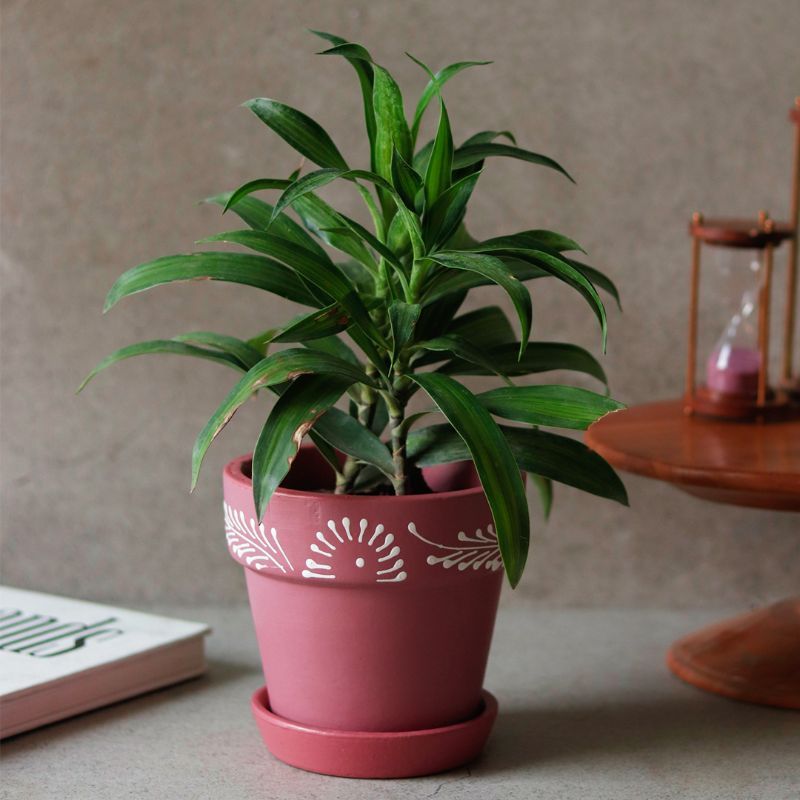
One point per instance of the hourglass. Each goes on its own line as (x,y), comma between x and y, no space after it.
(735,372)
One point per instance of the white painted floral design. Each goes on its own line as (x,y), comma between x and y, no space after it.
(252,543)
(479,550)
(373,551)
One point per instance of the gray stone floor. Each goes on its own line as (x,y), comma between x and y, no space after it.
(587,710)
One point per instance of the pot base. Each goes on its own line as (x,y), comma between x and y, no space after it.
(372,754)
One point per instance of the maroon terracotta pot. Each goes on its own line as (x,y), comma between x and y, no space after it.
(371,613)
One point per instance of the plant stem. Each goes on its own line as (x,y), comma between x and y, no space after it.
(398,451)
(396,402)
(343,479)
(366,412)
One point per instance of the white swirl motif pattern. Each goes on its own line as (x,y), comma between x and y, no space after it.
(479,550)
(252,543)
(375,552)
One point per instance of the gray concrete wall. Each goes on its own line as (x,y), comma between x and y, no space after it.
(117,117)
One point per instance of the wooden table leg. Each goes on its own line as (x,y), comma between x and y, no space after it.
(754,657)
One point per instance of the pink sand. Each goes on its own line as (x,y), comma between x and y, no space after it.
(733,370)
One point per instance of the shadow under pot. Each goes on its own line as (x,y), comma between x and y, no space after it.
(374,618)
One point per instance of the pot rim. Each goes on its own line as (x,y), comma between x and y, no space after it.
(233,471)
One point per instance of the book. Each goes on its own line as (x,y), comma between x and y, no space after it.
(60,657)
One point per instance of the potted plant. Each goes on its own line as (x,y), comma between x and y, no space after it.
(374,553)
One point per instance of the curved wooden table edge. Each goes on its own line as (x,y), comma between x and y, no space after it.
(735,486)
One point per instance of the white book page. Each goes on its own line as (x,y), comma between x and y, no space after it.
(45,638)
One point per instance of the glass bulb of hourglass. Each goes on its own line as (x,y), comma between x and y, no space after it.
(735,361)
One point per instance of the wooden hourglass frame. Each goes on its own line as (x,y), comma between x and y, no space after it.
(762,237)
(789,380)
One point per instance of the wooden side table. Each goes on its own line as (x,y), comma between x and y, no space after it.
(754,657)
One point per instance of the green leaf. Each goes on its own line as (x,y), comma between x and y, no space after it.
(322,177)
(485,137)
(351,438)
(496,271)
(428,71)
(442,220)
(243,352)
(437,316)
(523,246)
(162,346)
(462,239)
(494,462)
(411,222)
(567,461)
(405,179)
(357,230)
(434,87)
(524,270)
(436,444)
(487,326)
(391,127)
(539,357)
(273,370)
(321,272)
(411,419)
(361,64)
(298,130)
(562,269)
(422,156)
(466,155)
(361,277)
(370,481)
(448,282)
(378,246)
(397,238)
(258,185)
(349,50)
(258,215)
(547,454)
(380,419)
(460,348)
(242,268)
(325,450)
(326,321)
(544,487)
(333,346)
(324,221)
(445,283)
(261,341)
(402,319)
(551,405)
(409,218)
(250,210)
(305,185)
(598,279)
(529,240)
(440,164)
(295,413)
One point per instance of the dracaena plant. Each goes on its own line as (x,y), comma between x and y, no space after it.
(384,319)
